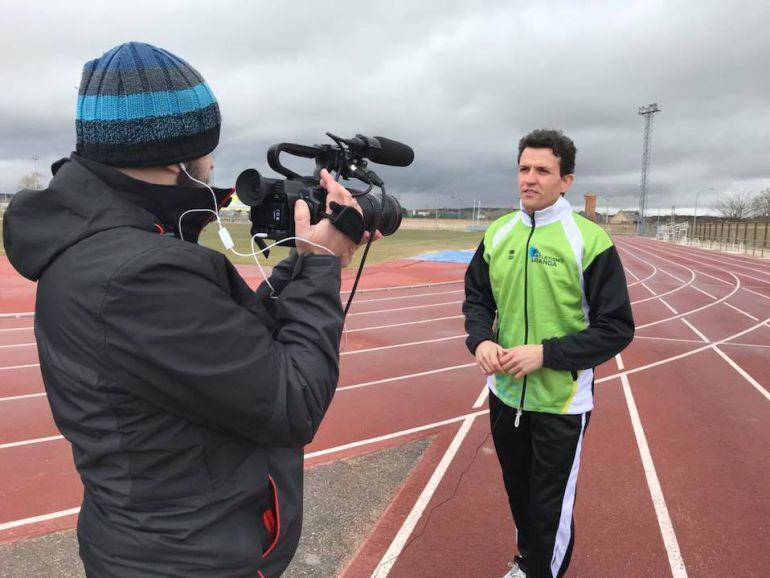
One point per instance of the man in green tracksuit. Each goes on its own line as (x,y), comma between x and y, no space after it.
(545,302)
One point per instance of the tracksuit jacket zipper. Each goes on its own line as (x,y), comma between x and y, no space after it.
(526,321)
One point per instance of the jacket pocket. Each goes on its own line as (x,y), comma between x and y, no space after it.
(271,518)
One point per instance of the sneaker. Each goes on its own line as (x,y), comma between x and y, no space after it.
(515,571)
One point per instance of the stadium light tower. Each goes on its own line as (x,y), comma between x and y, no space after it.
(648,112)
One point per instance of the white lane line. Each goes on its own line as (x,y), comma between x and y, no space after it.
(743,373)
(672,276)
(344,388)
(683,355)
(415,296)
(16,329)
(631,273)
(384,347)
(53,515)
(756,293)
(720,300)
(696,332)
(690,312)
(760,345)
(346,331)
(17,315)
(9,367)
(702,291)
(17,397)
(399,287)
(674,311)
(404,308)
(654,338)
(17,345)
(713,345)
(406,323)
(638,280)
(393,435)
(675,560)
(349,314)
(655,295)
(482,397)
(30,442)
(701,257)
(38,519)
(749,315)
(706,293)
(386,437)
(732,363)
(686,259)
(705,256)
(398,543)
(409,376)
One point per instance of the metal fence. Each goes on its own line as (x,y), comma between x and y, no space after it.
(750,237)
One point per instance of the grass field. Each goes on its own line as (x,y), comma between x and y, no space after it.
(404,243)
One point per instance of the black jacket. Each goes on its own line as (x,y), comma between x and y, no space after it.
(186,396)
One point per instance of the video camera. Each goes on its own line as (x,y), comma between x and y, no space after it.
(272,200)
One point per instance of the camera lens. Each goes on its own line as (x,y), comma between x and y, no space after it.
(385,208)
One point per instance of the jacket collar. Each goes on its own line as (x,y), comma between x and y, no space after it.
(167,203)
(556,212)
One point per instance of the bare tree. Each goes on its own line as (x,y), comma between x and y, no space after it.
(760,205)
(735,205)
(31,181)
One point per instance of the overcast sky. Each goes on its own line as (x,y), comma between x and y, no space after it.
(460,82)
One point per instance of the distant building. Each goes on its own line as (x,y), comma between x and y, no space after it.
(5,198)
(590,206)
(625,217)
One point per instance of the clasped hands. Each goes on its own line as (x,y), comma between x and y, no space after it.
(517,361)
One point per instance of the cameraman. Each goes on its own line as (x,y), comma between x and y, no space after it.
(187,397)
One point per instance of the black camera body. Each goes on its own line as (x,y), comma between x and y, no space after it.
(272,200)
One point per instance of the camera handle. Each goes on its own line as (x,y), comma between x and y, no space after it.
(274,152)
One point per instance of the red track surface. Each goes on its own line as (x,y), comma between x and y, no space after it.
(696,504)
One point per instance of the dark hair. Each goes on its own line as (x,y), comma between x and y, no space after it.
(561,146)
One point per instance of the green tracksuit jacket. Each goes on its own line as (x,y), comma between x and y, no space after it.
(554,278)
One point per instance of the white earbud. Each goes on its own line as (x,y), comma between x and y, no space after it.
(227,240)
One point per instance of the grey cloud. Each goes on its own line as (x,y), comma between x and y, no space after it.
(461,82)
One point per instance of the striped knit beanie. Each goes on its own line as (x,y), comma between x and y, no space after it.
(139,105)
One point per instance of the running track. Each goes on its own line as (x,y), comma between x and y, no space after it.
(674,476)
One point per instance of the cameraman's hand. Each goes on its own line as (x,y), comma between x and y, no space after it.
(324,233)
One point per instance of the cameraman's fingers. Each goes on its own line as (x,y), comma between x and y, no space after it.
(301,219)
(336,192)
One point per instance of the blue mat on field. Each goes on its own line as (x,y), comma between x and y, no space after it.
(446,256)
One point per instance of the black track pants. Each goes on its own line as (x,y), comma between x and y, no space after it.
(540,461)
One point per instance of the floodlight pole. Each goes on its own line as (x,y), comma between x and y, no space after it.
(648,112)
